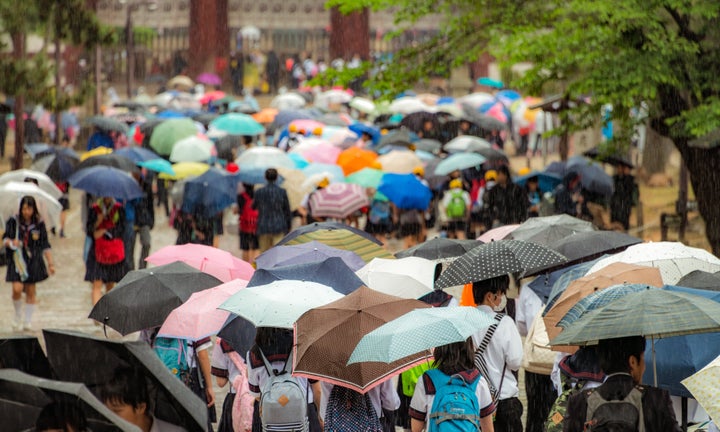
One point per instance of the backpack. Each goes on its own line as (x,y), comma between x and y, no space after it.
(556,416)
(350,411)
(379,211)
(243,404)
(456,208)
(172,353)
(624,415)
(456,407)
(248,216)
(283,404)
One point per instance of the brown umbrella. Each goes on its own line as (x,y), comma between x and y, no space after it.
(326,336)
(614,274)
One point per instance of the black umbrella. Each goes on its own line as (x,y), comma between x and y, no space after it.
(498,258)
(225,146)
(546,230)
(486,122)
(317,226)
(108,124)
(23,396)
(57,166)
(612,158)
(86,359)
(416,121)
(205,118)
(701,280)
(147,129)
(112,160)
(25,354)
(591,244)
(439,249)
(144,298)
(239,333)
(332,272)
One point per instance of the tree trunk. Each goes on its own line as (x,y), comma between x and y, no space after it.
(18,40)
(58,91)
(656,152)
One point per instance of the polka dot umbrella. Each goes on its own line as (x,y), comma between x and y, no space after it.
(496,259)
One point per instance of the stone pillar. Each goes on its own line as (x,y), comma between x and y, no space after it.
(349,34)
(209,35)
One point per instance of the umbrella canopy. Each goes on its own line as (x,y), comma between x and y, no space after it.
(209,79)
(180,82)
(286,115)
(408,105)
(543,284)
(366,177)
(318,171)
(44,182)
(702,280)
(12,192)
(57,166)
(705,388)
(317,150)
(171,400)
(184,170)
(592,176)
(363,105)
(24,353)
(23,396)
(496,259)
(144,298)
(136,154)
(459,161)
(105,181)
(418,331)
(288,101)
(410,277)
(159,166)
(498,233)
(239,333)
(166,134)
(305,253)
(399,162)
(338,200)
(546,230)
(428,145)
(293,181)
(339,236)
(210,193)
(264,158)
(591,244)
(109,160)
(280,303)
(39,150)
(326,336)
(193,149)
(466,144)
(405,191)
(327,98)
(199,316)
(108,124)
(332,272)
(546,181)
(265,116)
(597,300)
(237,124)
(674,259)
(213,261)
(439,248)
(355,159)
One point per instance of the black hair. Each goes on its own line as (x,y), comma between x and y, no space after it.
(66,416)
(272,341)
(455,357)
(249,189)
(505,170)
(613,354)
(29,201)
(271,175)
(127,386)
(496,285)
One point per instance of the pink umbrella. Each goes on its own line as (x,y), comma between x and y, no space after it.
(498,233)
(306,126)
(317,150)
(208,78)
(200,317)
(216,262)
(212,96)
(338,200)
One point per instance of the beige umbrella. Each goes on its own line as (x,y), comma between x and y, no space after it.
(399,161)
(294,183)
(180,82)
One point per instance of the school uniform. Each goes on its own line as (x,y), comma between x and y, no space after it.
(34,240)
(382,397)
(222,366)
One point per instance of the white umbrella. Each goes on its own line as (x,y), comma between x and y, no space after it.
(288,101)
(408,105)
(264,158)
(12,192)
(192,149)
(250,32)
(280,303)
(466,143)
(673,259)
(705,386)
(43,180)
(476,100)
(410,277)
(363,105)
(327,98)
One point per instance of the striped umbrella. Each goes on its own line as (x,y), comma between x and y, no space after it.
(343,239)
(338,200)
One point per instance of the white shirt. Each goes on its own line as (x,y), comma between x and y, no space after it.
(449,196)
(163,426)
(221,361)
(381,396)
(527,306)
(505,348)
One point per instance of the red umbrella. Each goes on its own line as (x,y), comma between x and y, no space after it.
(338,200)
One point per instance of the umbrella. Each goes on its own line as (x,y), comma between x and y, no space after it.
(209,79)
(136,154)
(674,259)
(193,149)
(363,105)
(338,200)
(166,134)
(44,182)
(264,158)
(592,175)
(410,277)
(327,226)
(340,236)
(306,126)
(562,278)
(546,181)
(610,157)
(466,144)
(213,261)
(439,249)
(366,177)
(293,181)
(377,139)
(68,353)
(419,331)
(319,171)
(265,116)
(702,280)
(144,298)
(543,284)
(108,124)
(498,233)
(317,150)
(300,161)
(490,82)
(591,244)
(215,97)
(304,253)
(288,101)
(459,161)
(199,316)
(210,193)
(23,396)
(332,272)
(597,300)
(546,230)
(428,145)
(355,159)
(108,160)
(237,124)
(58,166)
(483,121)
(239,333)
(399,162)
(326,336)
(327,98)
(180,82)
(227,146)
(287,115)
(183,170)
(705,387)
(39,150)
(158,165)
(98,151)
(25,354)
(106,181)
(280,303)
(12,192)
(496,259)
(408,105)
(405,191)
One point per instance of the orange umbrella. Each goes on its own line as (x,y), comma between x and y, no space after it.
(265,116)
(354,159)
(614,274)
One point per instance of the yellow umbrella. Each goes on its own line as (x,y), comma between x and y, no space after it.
(98,151)
(705,386)
(185,169)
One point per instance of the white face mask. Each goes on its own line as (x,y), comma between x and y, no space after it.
(501,306)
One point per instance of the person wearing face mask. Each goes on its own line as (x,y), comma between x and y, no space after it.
(499,353)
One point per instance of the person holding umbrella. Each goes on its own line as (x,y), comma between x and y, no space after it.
(26,243)
(274,215)
(506,201)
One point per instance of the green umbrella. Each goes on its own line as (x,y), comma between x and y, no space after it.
(366,177)
(419,330)
(158,165)
(167,133)
(237,124)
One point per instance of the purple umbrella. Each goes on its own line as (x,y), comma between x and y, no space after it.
(208,78)
(306,253)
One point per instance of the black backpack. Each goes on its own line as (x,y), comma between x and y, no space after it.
(624,415)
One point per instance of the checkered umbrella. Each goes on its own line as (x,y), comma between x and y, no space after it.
(338,200)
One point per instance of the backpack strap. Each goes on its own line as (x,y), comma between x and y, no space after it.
(269,368)
(480,362)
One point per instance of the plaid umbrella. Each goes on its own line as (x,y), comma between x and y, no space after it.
(496,259)
(597,300)
(338,200)
(326,336)
(549,229)
(341,239)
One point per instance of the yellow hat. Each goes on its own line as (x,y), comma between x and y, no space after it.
(490,175)
(523,171)
(418,170)
(455,183)
(317,131)
(323,183)
(292,128)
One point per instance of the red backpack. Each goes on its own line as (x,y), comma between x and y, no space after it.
(248,215)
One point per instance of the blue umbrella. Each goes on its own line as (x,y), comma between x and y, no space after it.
(303,253)
(137,154)
(459,161)
(570,274)
(170,114)
(252,176)
(490,82)
(360,128)
(405,191)
(592,175)
(106,181)
(210,193)
(332,272)
(598,300)
(299,160)
(546,181)
(158,165)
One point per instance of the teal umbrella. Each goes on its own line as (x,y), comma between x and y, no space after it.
(366,177)
(237,124)
(459,161)
(418,331)
(158,165)
(167,133)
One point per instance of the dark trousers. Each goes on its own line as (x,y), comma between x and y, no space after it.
(197,386)
(540,396)
(508,417)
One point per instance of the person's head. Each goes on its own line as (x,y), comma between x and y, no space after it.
(503,175)
(456,184)
(28,209)
(455,357)
(61,417)
(490,175)
(491,292)
(571,180)
(323,183)
(274,340)
(126,395)
(419,171)
(623,355)
(65,141)
(533,183)
(271,175)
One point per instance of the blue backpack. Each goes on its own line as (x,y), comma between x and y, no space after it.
(171,352)
(456,407)
(379,211)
